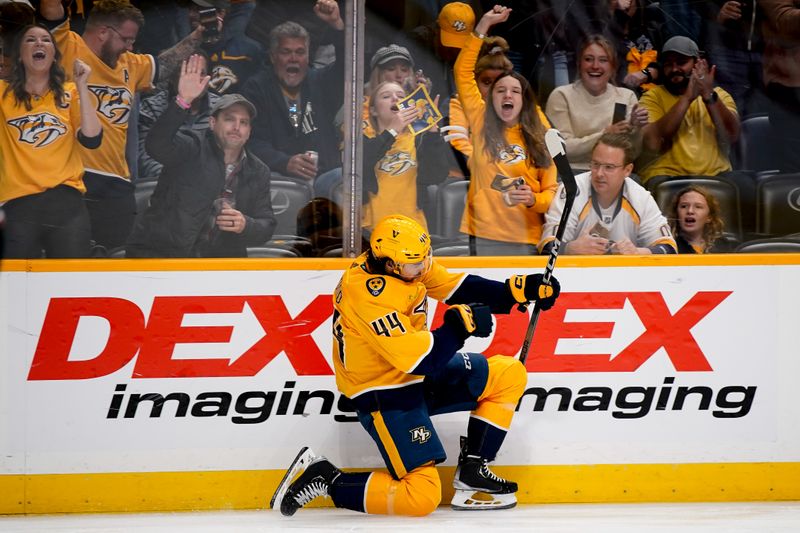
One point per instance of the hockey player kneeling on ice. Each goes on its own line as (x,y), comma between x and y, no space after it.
(398,374)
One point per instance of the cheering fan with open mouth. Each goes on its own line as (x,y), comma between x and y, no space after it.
(41,173)
(508,135)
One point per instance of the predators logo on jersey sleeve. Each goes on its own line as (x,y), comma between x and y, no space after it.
(114,103)
(40,129)
(376,286)
(384,298)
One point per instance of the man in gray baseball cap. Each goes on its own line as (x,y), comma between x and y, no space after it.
(213,196)
(229,100)
(692,122)
(681,45)
(390,53)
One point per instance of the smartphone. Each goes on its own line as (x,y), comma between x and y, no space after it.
(208,19)
(620,110)
(504,183)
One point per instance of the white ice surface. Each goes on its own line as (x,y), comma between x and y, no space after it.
(593,518)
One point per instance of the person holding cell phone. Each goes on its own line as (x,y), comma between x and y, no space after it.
(233,56)
(508,140)
(592,105)
(397,165)
(213,195)
(297,102)
(612,214)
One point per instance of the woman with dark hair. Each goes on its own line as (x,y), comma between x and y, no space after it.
(696,222)
(492,62)
(587,108)
(41,170)
(513,177)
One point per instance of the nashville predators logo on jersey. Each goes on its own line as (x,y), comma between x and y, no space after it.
(420,434)
(222,78)
(114,103)
(397,163)
(375,286)
(512,154)
(40,129)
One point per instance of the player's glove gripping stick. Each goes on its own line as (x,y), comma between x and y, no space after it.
(525,289)
(475,319)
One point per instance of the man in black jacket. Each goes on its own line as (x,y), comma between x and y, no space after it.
(298,103)
(213,195)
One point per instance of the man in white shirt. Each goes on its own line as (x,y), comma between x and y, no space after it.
(612,213)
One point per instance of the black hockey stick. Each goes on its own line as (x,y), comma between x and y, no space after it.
(556,146)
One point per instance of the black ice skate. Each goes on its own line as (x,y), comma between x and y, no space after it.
(477,487)
(316,476)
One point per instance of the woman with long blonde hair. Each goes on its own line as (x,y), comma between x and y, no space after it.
(397,165)
(587,108)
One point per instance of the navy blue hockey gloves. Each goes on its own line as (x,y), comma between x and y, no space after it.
(475,319)
(530,288)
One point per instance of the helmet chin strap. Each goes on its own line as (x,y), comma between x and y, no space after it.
(394,268)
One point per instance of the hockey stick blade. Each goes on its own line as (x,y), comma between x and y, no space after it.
(557,148)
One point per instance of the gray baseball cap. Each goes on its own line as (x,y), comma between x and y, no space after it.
(230,99)
(390,53)
(681,45)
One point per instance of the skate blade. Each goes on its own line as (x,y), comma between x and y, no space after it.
(472,500)
(300,463)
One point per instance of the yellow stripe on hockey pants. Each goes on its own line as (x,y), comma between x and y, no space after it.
(504,387)
(418,493)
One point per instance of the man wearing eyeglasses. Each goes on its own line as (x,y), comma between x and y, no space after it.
(106,45)
(612,213)
(117,74)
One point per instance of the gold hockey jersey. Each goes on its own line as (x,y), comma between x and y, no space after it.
(38,148)
(113,91)
(380,326)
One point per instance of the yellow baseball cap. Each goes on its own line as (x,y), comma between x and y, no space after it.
(456,20)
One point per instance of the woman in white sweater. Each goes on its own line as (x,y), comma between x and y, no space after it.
(584,110)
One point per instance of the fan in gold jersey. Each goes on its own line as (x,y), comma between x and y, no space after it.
(41,169)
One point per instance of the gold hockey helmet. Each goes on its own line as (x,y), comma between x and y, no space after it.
(405,242)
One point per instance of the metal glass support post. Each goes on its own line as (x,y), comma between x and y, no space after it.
(353,98)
